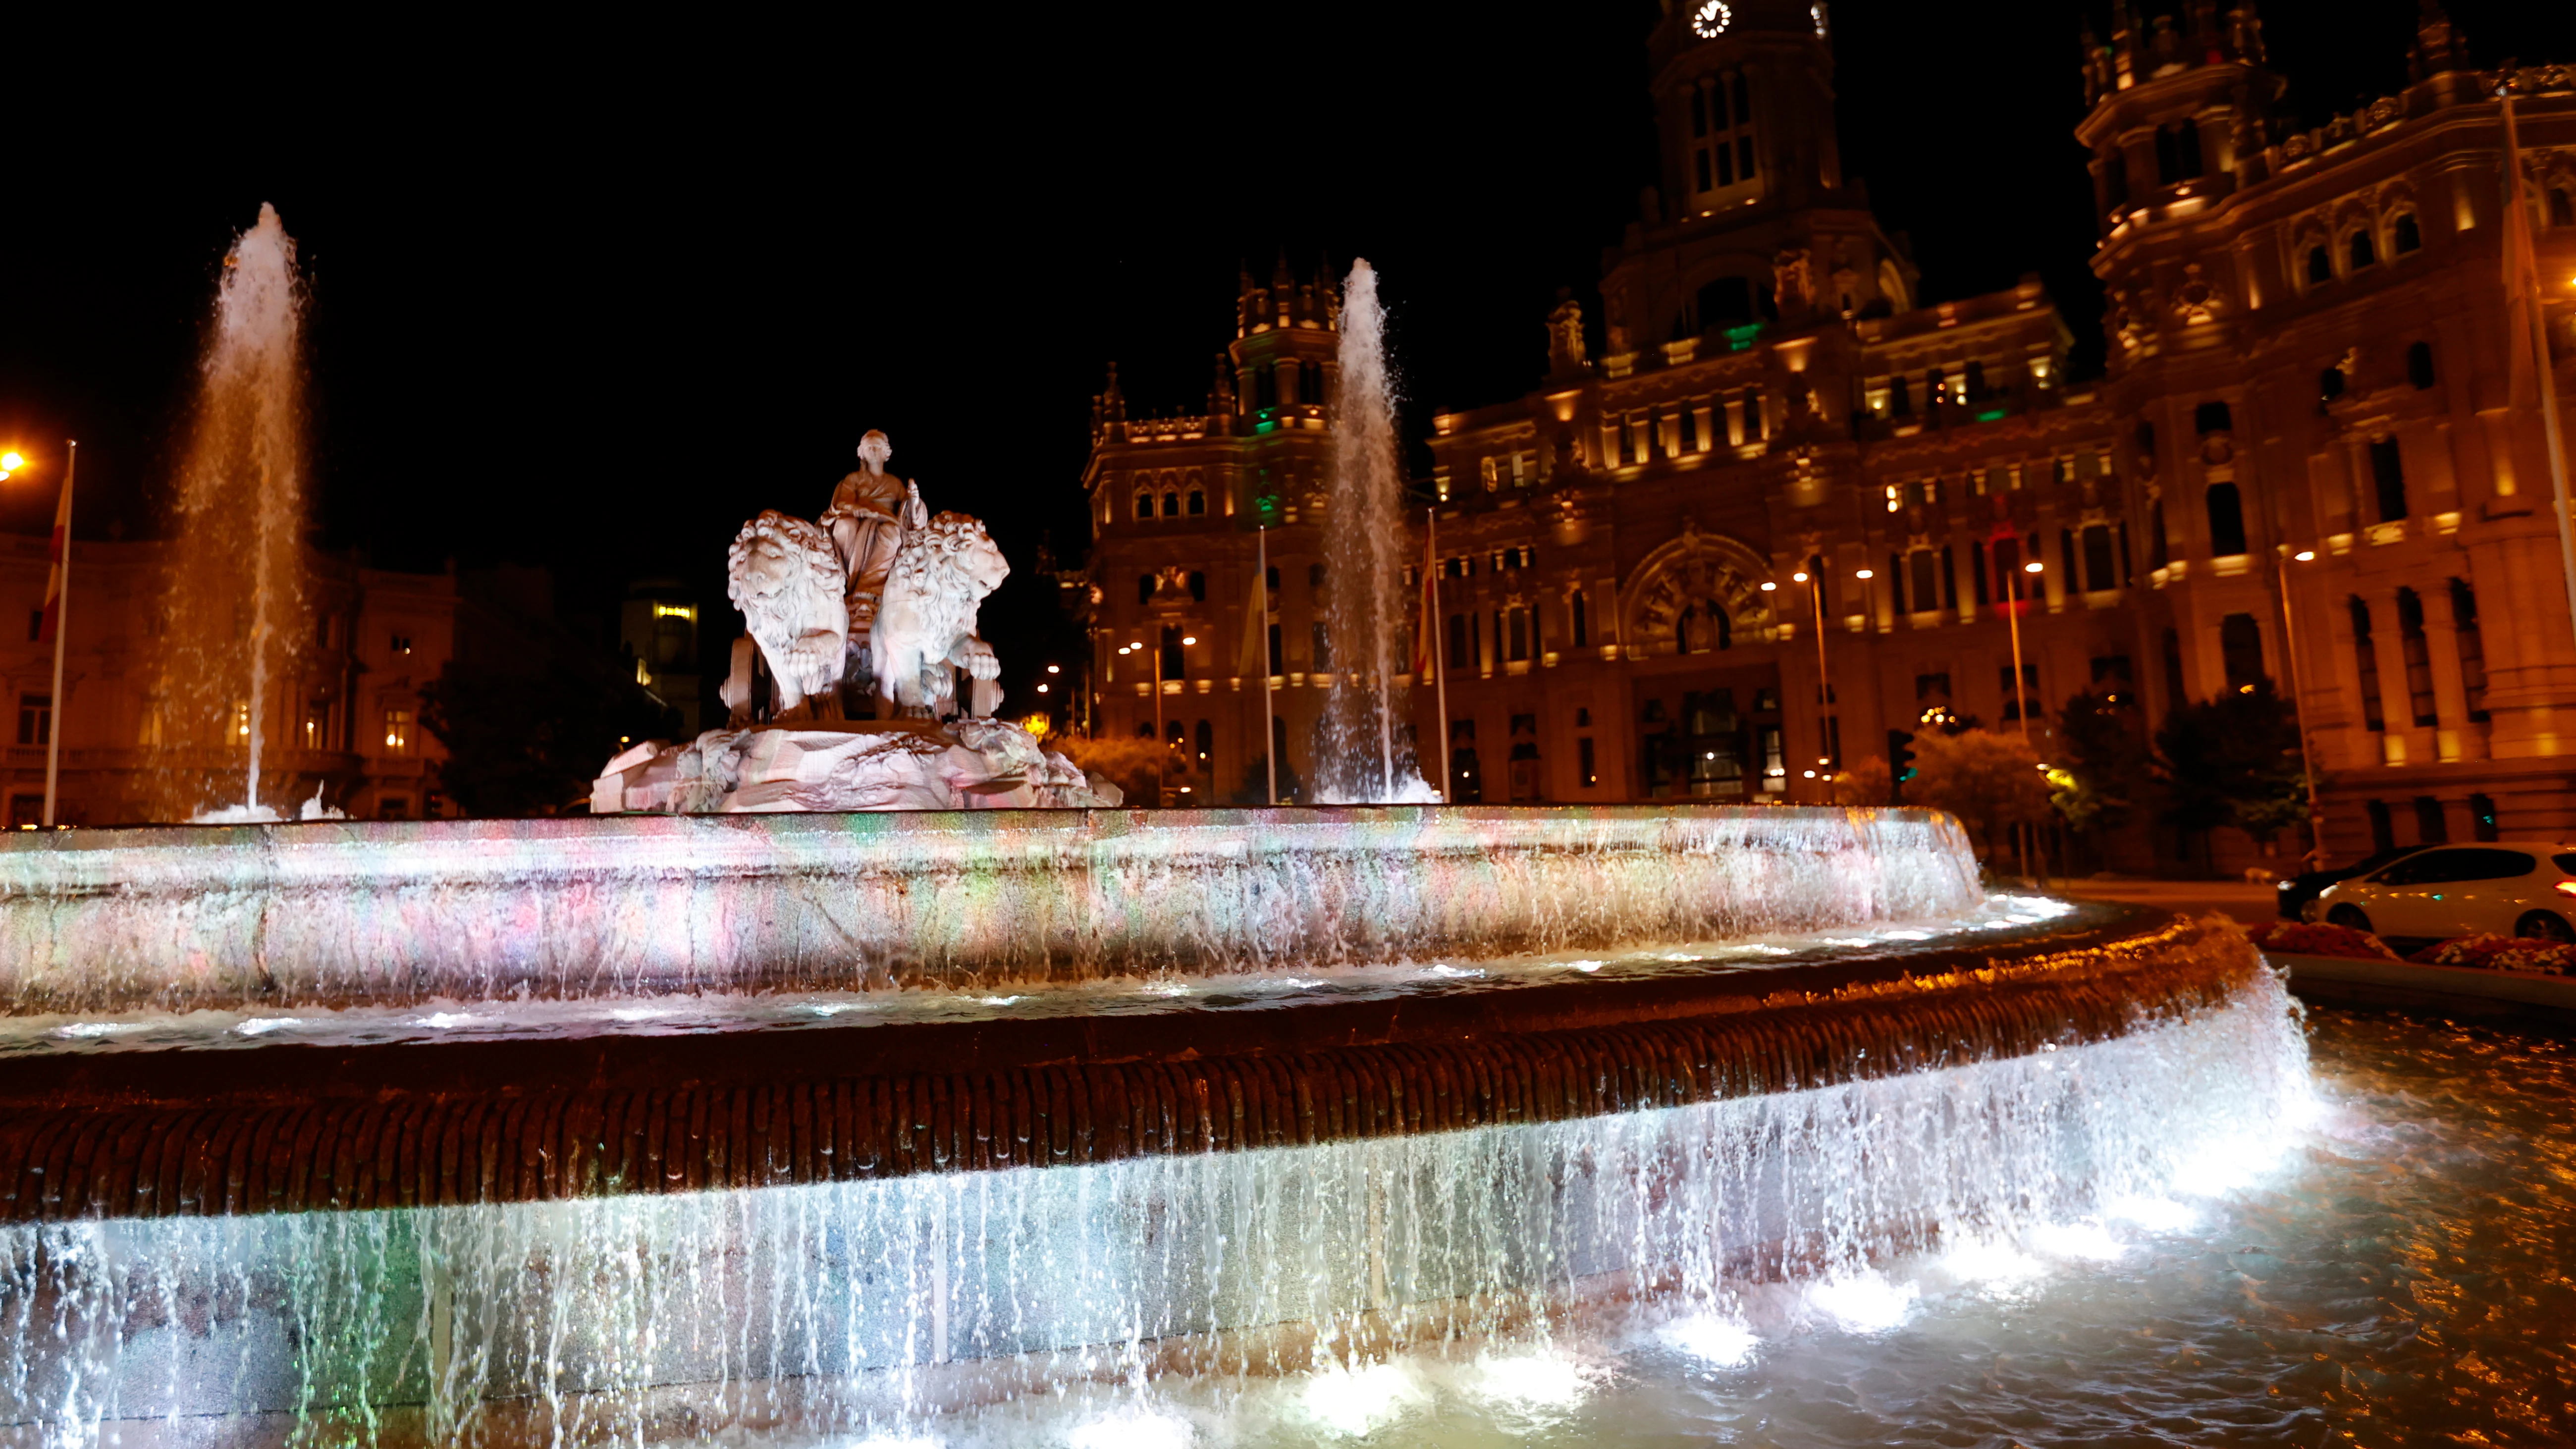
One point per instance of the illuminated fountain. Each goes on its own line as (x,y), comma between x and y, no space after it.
(235,608)
(759,1107)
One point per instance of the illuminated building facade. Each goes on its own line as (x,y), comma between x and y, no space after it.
(1621,616)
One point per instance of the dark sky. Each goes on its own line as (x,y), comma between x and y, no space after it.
(590,298)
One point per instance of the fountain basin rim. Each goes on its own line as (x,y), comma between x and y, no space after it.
(302,1072)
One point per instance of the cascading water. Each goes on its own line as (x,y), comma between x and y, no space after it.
(1365,758)
(234,610)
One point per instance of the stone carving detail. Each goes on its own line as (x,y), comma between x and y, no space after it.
(1565,338)
(926,629)
(878,593)
(785,576)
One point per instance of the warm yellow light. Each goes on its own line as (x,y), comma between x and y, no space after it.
(13,460)
(2244,689)
(1863,574)
(1037,725)
(2034,566)
(1810,774)
(2305,555)
(1191,639)
(1041,689)
(675,611)
(1138,646)
(1797,578)
(1768,586)
(1055,669)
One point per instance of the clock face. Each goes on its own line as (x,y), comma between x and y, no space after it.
(1710,19)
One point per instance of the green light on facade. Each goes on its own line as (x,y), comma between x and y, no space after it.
(1988,417)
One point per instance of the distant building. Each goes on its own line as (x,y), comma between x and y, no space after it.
(657,631)
(2307,353)
(347,719)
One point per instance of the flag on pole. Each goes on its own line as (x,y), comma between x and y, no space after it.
(54,578)
(1254,662)
(2521,284)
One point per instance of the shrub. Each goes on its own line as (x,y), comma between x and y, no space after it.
(2500,953)
(2303,938)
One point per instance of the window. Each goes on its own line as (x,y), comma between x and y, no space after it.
(2361,250)
(2418,653)
(2211,417)
(1198,586)
(1976,380)
(1144,503)
(2240,649)
(2408,236)
(1265,385)
(2366,666)
(1934,687)
(1144,588)
(35,718)
(2320,265)
(1198,502)
(2562,208)
(393,807)
(2419,364)
(1726,302)
(2330,384)
(1171,652)
(397,733)
(2029,691)
(1581,629)
(2177,153)
(1585,772)
(2388,479)
(1206,740)
(1899,403)
(1519,636)
(2482,822)
(1274,651)
(1926,570)
(2115,176)
(2159,552)
(2472,648)
(401,644)
(2098,573)
(1949,580)
(2431,828)
(2111,670)
(1172,505)
(2226,520)
(317,724)
(1977,572)
(2383,834)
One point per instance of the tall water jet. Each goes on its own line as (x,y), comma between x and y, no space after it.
(1365,757)
(233,611)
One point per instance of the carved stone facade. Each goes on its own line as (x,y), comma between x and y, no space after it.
(1776,400)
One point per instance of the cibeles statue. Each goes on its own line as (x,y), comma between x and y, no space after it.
(872,605)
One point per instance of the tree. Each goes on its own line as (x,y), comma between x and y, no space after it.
(2233,760)
(1130,762)
(525,737)
(1866,783)
(2104,758)
(1988,780)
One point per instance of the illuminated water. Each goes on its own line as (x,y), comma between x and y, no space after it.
(1012,1306)
(1364,754)
(233,618)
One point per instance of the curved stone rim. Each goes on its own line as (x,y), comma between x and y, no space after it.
(312,1128)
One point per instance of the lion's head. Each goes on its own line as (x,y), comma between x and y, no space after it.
(953,555)
(786,577)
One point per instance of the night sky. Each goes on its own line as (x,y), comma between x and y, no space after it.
(589,298)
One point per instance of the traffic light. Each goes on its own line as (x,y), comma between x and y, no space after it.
(1900,763)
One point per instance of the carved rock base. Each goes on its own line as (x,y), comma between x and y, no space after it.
(966,764)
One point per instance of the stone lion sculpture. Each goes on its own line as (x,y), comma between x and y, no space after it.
(788,580)
(925,625)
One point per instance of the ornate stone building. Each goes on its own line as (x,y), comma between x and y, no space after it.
(2307,354)
(348,719)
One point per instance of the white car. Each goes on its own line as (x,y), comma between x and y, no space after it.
(2507,888)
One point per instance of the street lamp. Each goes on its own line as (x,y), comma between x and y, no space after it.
(1162,743)
(1824,681)
(2021,701)
(2299,704)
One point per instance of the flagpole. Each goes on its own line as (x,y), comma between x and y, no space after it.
(1261,591)
(1439,641)
(2517,237)
(62,631)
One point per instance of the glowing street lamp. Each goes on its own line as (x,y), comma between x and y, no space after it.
(2021,700)
(2299,701)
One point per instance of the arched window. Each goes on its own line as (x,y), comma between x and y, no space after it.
(1172,505)
(2407,235)
(2472,648)
(2330,384)
(2226,520)
(1144,503)
(2320,265)
(1726,302)
(2177,153)
(1144,588)
(2419,364)
(2562,207)
(1198,586)
(1207,746)
(2365,660)
(1198,502)
(2417,650)
(2211,417)
(2361,250)
(2240,652)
